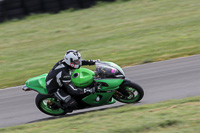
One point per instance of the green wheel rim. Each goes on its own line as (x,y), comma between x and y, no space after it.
(45,107)
(134,95)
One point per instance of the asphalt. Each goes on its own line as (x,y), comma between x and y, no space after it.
(161,81)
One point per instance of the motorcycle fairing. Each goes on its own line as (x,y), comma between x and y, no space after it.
(82,77)
(38,84)
(105,93)
(105,98)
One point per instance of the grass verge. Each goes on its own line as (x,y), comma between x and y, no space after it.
(174,116)
(125,32)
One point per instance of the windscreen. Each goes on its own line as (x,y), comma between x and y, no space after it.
(104,70)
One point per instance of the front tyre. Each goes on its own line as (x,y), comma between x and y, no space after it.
(129,92)
(48,105)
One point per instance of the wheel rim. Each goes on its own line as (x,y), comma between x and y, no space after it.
(133,95)
(48,108)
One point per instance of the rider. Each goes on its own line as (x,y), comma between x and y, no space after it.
(58,80)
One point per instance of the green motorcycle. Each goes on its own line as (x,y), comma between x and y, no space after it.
(108,79)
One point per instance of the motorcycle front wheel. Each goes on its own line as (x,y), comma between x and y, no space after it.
(48,105)
(129,92)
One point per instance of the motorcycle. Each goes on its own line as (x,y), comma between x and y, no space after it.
(108,79)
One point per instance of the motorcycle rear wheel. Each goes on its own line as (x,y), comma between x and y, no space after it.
(47,104)
(129,92)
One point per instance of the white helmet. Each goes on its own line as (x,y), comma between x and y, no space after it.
(73,58)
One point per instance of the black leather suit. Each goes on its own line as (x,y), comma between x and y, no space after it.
(59,77)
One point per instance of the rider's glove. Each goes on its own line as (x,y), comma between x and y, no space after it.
(89,90)
(97,60)
(93,61)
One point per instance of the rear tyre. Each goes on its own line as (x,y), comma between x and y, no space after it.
(48,105)
(129,93)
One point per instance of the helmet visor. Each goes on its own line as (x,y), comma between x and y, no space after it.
(77,62)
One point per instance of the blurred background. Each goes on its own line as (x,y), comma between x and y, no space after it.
(35,34)
(10,9)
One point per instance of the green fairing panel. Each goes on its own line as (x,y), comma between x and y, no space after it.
(38,83)
(112,84)
(82,77)
(104,99)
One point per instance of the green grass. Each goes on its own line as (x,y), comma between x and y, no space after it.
(174,116)
(125,32)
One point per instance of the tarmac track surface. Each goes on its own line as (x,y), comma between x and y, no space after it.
(164,80)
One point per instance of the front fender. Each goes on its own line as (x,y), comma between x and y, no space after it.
(126,81)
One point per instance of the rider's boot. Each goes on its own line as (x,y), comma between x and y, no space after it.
(68,103)
(71,105)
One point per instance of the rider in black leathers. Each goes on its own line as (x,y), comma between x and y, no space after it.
(58,80)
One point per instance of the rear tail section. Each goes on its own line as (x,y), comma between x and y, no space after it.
(37,84)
